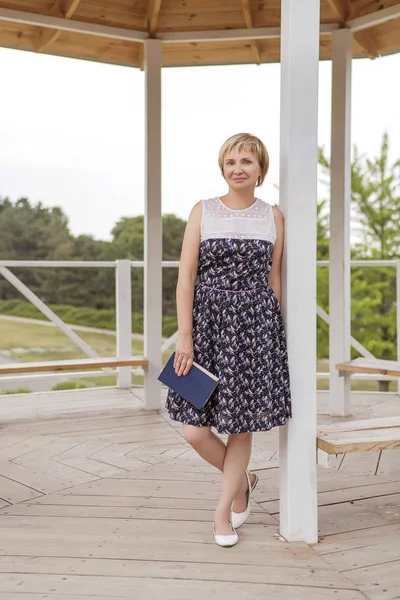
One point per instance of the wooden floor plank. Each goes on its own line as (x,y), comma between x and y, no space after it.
(131,501)
(124,505)
(347,540)
(197,549)
(359,515)
(209,490)
(31,477)
(367,462)
(80,457)
(380,582)
(165,589)
(73,426)
(346,495)
(130,435)
(125,512)
(34,596)
(12,491)
(187,531)
(380,552)
(294,576)
(389,463)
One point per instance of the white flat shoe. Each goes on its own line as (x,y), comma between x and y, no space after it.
(226,541)
(238,519)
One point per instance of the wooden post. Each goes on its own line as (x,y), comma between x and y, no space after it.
(123,300)
(298,188)
(339,246)
(153,225)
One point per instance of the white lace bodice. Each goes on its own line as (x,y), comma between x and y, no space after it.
(256,222)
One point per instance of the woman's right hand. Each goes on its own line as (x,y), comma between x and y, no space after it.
(183,354)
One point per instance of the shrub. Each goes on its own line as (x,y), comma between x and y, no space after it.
(17,391)
(69,385)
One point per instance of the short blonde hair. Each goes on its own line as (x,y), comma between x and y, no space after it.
(251,143)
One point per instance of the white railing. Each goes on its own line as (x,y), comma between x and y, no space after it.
(355,344)
(124,312)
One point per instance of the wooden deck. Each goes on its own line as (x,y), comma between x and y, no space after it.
(100,498)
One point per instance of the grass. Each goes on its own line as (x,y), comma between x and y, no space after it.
(23,390)
(31,342)
(38,343)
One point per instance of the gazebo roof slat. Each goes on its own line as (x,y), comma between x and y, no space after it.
(161,17)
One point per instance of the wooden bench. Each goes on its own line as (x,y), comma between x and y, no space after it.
(80,364)
(369,365)
(372,366)
(359,436)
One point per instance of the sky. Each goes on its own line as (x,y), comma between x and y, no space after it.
(72,131)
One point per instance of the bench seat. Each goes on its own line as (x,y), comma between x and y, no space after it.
(80,364)
(359,436)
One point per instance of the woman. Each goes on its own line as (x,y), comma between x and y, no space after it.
(229,321)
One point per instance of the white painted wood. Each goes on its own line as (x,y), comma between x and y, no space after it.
(57,263)
(50,22)
(398,315)
(170,341)
(362,263)
(323,459)
(123,303)
(339,265)
(298,186)
(359,347)
(251,34)
(54,377)
(373,19)
(29,295)
(216,35)
(153,225)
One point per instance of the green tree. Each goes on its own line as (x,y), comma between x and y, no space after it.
(376,212)
(128,242)
(128,239)
(32,233)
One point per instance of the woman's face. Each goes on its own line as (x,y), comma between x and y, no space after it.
(241,170)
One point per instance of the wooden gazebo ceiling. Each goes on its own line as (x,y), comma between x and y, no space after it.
(22,26)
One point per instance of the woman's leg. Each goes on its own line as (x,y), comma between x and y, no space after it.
(208,445)
(213,450)
(237,457)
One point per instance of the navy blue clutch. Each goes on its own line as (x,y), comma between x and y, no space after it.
(196,387)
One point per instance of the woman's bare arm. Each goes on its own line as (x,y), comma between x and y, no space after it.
(185,291)
(275,277)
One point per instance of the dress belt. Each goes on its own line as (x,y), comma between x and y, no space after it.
(250,290)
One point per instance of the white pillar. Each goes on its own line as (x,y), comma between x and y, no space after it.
(123,301)
(153,225)
(398,317)
(298,189)
(339,251)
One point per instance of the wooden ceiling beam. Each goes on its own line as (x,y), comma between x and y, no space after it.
(342,8)
(346,10)
(248,17)
(365,41)
(153,16)
(49,36)
(70,7)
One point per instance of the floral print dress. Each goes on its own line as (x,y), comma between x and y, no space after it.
(238,331)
